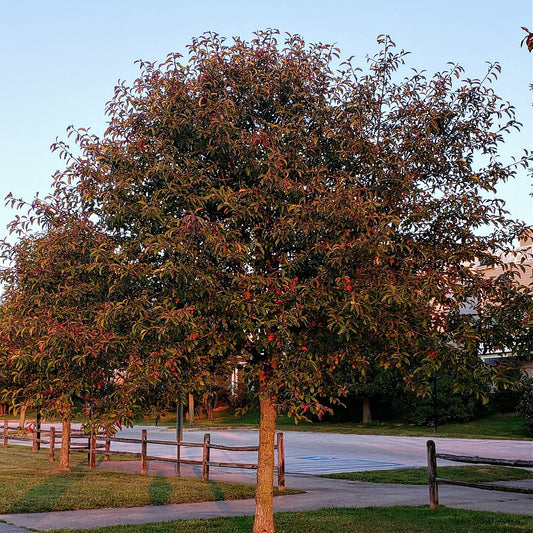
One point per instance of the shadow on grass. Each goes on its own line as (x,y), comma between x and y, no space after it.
(159,491)
(218,493)
(46,495)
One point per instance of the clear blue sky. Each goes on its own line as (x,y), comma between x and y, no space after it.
(62,58)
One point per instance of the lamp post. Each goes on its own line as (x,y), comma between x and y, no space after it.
(435,404)
(179,421)
(38,427)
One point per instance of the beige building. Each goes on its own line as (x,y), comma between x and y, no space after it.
(520,263)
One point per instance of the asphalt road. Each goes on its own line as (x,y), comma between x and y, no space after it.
(318,453)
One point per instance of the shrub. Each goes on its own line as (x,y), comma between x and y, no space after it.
(451,406)
(506,400)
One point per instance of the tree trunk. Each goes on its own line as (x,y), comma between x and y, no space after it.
(22,416)
(64,454)
(367,411)
(264,504)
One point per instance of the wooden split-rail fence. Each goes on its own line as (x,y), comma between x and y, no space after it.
(94,444)
(433,480)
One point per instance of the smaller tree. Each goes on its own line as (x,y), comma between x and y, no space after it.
(370,386)
(57,348)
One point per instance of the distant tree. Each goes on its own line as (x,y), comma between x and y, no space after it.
(272,212)
(370,386)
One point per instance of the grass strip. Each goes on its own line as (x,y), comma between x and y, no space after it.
(375,520)
(419,476)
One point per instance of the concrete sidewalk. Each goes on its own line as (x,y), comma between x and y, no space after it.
(320,493)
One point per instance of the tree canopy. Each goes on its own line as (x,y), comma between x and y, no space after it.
(269,209)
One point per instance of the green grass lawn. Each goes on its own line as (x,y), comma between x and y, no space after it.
(30,483)
(369,520)
(419,476)
(496,426)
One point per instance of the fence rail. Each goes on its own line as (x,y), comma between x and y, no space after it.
(99,443)
(434,480)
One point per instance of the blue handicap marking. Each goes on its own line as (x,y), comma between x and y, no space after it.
(317,458)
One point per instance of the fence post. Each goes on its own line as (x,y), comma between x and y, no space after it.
(205,459)
(432,475)
(6,433)
(92,449)
(281,462)
(144,448)
(34,443)
(52,444)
